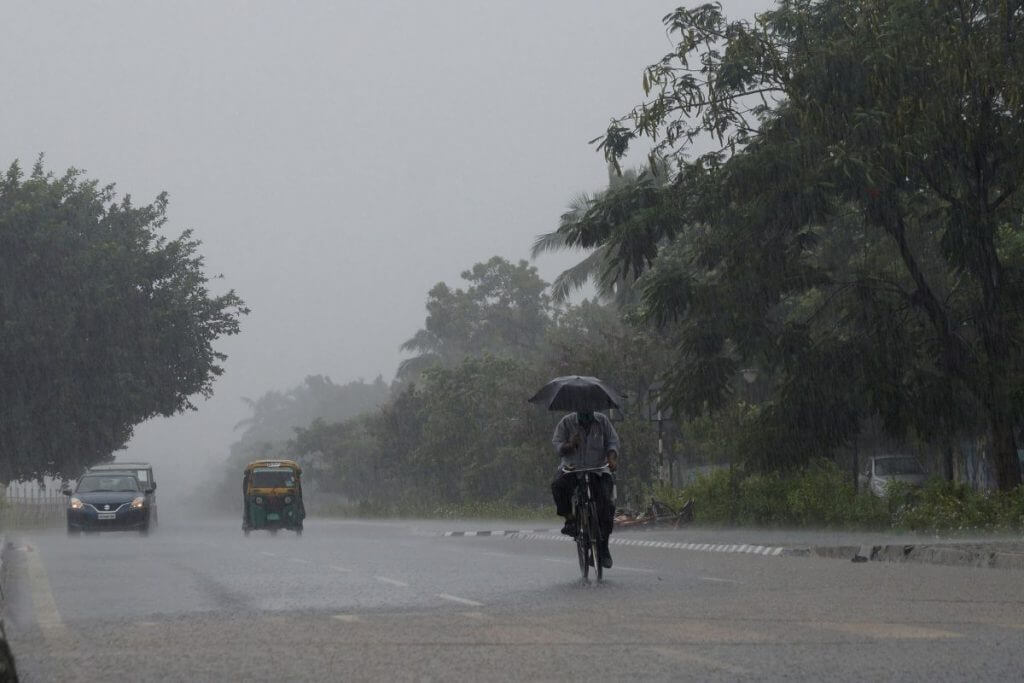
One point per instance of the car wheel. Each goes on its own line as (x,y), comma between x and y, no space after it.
(74,532)
(144,530)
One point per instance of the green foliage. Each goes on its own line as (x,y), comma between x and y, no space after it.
(276,415)
(617,224)
(948,507)
(104,323)
(461,436)
(819,496)
(859,219)
(307,420)
(503,311)
(822,496)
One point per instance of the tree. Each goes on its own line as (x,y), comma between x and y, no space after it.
(891,122)
(103,322)
(503,311)
(276,414)
(622,208)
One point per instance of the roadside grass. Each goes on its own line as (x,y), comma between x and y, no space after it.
(822,496)
(819,497)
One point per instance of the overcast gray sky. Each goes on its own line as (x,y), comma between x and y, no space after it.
(336,159)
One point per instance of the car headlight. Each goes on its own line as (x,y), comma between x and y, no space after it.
(75,503)
(259,500)
(287,499)
(138,503)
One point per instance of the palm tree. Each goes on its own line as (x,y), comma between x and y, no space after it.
(604,222)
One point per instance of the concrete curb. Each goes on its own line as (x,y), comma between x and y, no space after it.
(555,535)
(952,555)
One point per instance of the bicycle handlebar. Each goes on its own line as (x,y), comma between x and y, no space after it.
(581,470)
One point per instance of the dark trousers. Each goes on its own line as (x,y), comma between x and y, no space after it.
(601,488)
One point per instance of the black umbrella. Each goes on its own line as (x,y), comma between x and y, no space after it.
(577,393)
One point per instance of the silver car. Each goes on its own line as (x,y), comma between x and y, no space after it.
(882,469)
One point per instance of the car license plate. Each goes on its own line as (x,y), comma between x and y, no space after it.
(273,516)
(106,515)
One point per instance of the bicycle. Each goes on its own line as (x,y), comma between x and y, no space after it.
(588,528)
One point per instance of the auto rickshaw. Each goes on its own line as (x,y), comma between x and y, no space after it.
(272,496)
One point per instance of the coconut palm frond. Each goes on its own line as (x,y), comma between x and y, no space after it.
(423,342)
(574,278)
(578,207)
(411,368)
(548,242)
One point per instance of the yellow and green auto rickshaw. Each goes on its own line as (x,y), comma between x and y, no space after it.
(272,496)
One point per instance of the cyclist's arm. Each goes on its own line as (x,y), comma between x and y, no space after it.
(613,460)
(611,437)
(560,440)
(611,442)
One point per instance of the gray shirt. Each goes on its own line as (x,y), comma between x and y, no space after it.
(597,441)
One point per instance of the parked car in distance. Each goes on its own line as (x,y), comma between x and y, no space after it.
(142,471)
(882,469)
(108,501)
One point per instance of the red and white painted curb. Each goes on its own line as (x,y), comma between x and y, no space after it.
(554,535)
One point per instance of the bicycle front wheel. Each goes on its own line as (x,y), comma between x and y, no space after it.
(582,548)
(594,540)
(582,541)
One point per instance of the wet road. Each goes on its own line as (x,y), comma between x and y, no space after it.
(399,601)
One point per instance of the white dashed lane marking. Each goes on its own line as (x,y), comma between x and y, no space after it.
(461,601)
(393,582)
(715,579)
(348,618)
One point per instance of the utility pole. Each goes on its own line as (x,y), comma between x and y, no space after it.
(656,414)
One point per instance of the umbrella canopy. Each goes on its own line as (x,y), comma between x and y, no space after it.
(577,393)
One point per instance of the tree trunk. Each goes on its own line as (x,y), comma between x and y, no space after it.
(1004,451)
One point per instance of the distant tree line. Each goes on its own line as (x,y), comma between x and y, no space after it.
(455,428)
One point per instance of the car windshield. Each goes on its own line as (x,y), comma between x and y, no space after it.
(894,466)
(141,475)
(108,483)
(273,478)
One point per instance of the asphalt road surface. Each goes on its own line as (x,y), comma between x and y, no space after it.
(389,601)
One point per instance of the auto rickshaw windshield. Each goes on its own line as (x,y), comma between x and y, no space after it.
(272,478)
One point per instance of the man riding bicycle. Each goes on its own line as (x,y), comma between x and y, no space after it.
(586,439)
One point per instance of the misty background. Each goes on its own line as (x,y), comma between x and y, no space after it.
(335,159)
